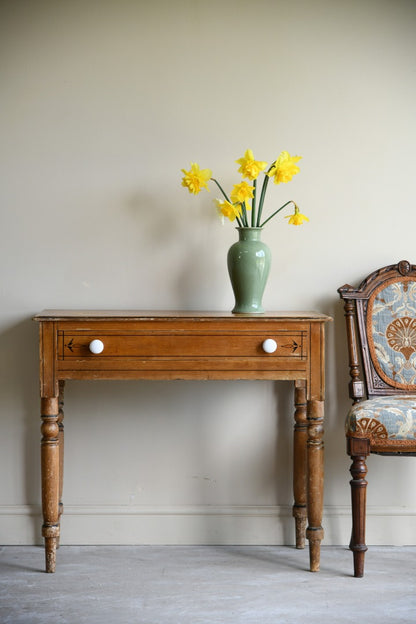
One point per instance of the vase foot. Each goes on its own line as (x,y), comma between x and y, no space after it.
(234,311)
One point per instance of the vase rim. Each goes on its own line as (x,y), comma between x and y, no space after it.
(248,227)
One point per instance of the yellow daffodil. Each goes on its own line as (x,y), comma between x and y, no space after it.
(241,193)
(297,218)
(245,196)
(229,210)
(284,168)
(196,179)
(250,168)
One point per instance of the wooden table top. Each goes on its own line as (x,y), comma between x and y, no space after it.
(59,315)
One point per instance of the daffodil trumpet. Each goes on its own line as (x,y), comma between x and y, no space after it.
(228,201)
(243,196)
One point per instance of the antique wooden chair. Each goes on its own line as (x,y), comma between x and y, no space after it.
(381,330)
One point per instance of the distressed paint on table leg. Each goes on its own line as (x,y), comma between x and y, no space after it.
(300,437)
(61,441)
(50,478)
(315,532)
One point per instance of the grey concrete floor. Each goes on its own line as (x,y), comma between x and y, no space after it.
(205,584)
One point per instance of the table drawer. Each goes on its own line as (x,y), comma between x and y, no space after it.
(76,345)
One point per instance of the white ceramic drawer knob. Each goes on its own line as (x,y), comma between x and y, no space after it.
(96,346)
(269,345)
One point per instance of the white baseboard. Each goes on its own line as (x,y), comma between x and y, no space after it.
(205,524)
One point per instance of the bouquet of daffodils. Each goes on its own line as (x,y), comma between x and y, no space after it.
(244,197)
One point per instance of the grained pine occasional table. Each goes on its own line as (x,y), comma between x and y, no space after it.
(129,344)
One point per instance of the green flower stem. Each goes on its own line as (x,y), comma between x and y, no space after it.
(253,205)
(244,214)
(262,196)
(221,189)
(278,210)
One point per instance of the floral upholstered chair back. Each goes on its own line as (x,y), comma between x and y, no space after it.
(391,332)
(385,309)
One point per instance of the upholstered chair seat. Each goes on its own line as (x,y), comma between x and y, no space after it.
(384,419)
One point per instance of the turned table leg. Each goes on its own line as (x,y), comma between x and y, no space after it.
(315,447)
(50,478)
(61,448)
(300,437)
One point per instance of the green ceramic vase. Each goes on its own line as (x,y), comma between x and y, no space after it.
(248,266)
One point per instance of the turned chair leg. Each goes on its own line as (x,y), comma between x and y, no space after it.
(358,449)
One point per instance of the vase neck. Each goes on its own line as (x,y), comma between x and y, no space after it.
(249,233)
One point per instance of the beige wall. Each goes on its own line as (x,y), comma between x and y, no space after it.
(102,104)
